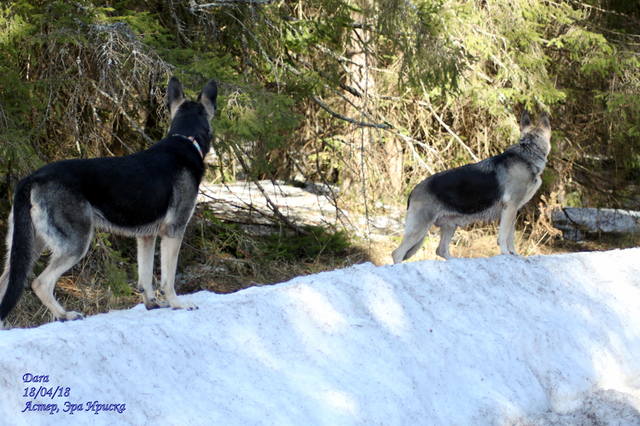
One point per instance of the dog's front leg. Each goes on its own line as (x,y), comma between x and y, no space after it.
(511,246)
(169,250)
(507,229)
(446,233)
(146,246)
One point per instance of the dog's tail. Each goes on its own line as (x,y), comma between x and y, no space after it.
(20,248)
(409,198)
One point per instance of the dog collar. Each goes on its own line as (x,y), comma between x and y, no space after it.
(193,141)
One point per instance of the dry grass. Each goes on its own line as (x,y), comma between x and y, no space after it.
(87,287)
(481,241)
(227,275)
(74,295)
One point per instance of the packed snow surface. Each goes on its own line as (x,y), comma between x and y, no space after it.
(504,340)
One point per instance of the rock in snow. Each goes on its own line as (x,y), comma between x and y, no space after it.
(544,340)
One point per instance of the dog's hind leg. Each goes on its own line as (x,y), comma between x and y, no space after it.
(146,247)
(507,229)
(169,250)
(446,233)
(4,278)
(45,283)
(4,283)
(511,246)
(415,230)
(66,228)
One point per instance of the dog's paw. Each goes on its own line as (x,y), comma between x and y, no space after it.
(155,304)
(184,305)
(70,316)
(443,254)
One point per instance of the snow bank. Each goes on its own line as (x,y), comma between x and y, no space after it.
(505,340)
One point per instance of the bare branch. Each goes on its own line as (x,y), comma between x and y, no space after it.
(134,125)
(347,119)
(194,7)
(448,129)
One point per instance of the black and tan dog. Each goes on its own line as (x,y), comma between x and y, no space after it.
(148,194)
(485,191)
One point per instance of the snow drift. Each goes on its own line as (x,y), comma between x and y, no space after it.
(504,340)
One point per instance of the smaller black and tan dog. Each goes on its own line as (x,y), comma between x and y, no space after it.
(493,188)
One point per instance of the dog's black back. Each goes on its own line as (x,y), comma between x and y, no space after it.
(129,191)
(467,189)
(136,190)
(472,188)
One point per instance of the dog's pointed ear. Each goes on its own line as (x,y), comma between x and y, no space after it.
(175,96)
(208,98)
(544,121)
(525,120)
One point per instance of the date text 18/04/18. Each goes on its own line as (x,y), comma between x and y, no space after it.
(60,394)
